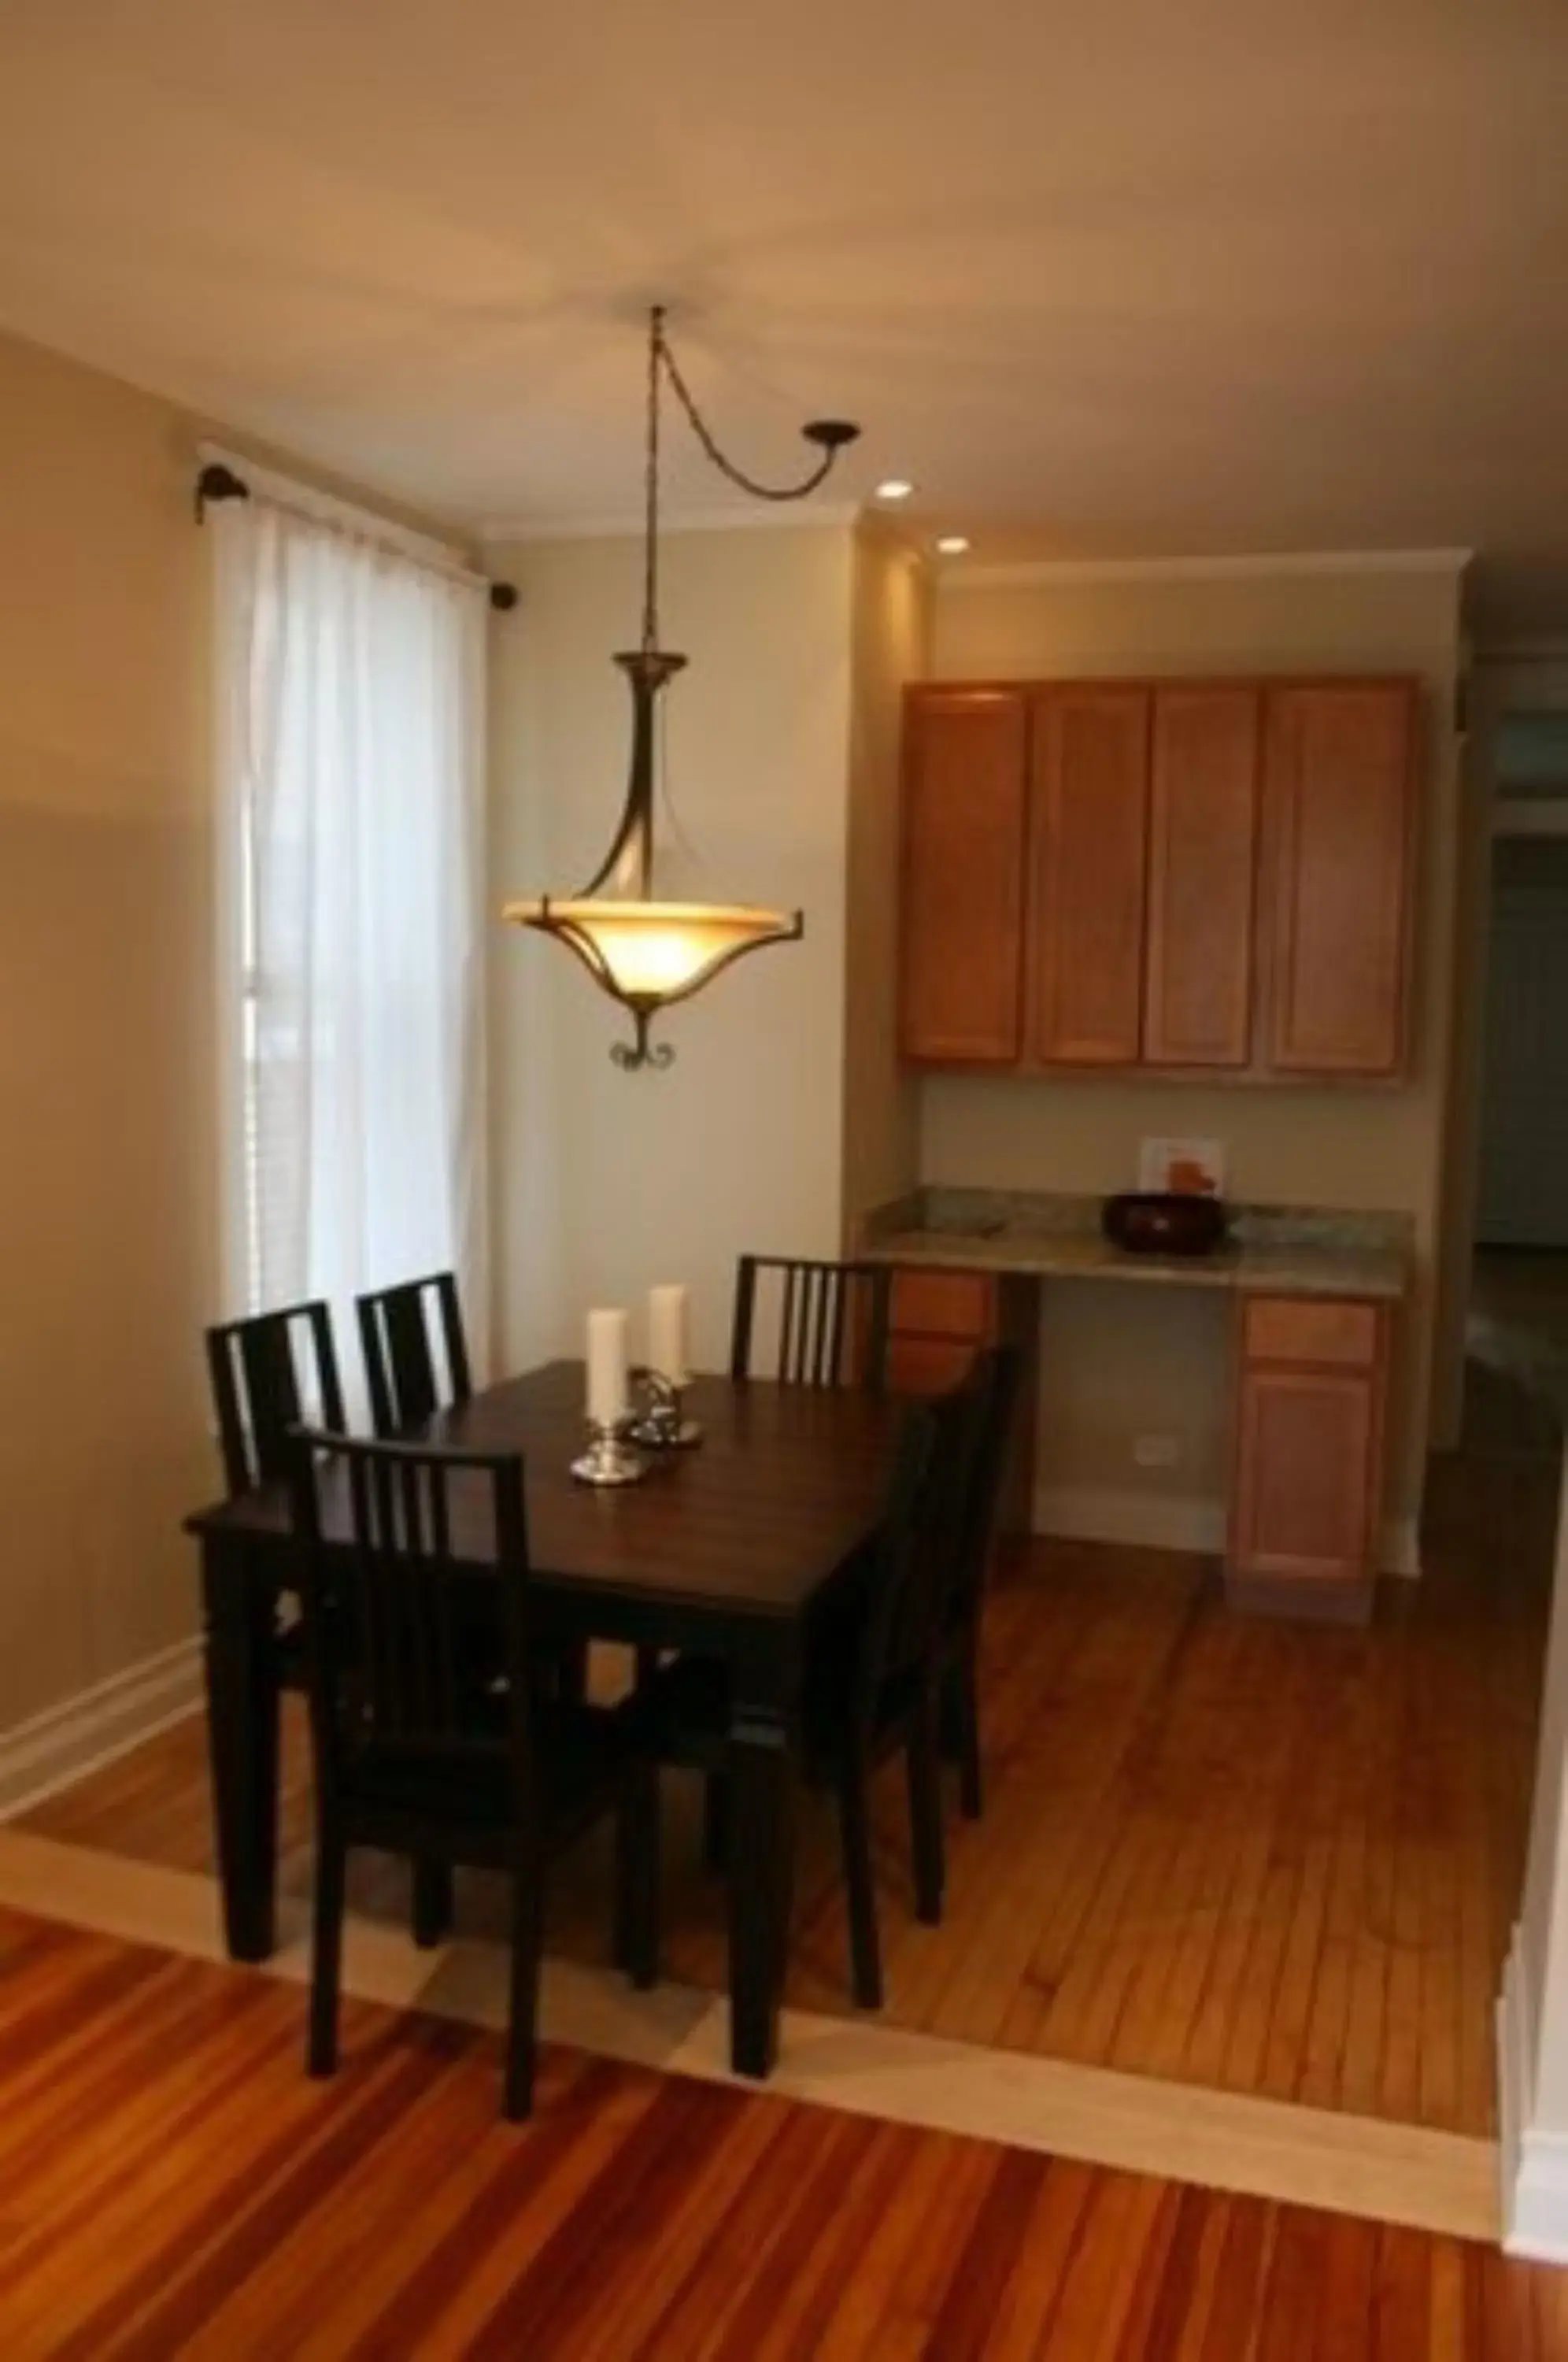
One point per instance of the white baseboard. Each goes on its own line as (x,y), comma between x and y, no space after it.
(1533,2165)
(1141,1520)
(82,1732)
(1177,1522)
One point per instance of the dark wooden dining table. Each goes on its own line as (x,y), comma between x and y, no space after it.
(729,1548)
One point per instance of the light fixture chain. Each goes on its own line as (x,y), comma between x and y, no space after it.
(726,467)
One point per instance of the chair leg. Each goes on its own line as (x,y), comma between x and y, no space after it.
(865,1944)
(326,1956)
(638,1880)
(431,1901)
(521,2026)
(967,1692)
(923,1764)
(572,1674)
(715,1820)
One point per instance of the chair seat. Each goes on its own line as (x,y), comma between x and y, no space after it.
(579,1754)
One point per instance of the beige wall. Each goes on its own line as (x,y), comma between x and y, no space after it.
(890,623)
(1123,1362)
(604,1182)
(107,1196)
(108,1181)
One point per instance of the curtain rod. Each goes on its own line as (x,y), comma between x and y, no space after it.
(217,480)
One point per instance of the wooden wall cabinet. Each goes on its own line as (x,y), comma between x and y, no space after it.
(1203,852)
(1307,1495)
(1338,883)
(1088,871)
(966,788)
(1208,879)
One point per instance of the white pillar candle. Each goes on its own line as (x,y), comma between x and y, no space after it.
(667,1333)
(606,1367)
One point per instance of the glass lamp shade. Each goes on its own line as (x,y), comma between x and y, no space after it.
(648,954)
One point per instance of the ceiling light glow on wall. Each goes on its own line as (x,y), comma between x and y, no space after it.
(895,488)
(953,545)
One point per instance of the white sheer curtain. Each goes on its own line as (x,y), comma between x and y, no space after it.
(351,701)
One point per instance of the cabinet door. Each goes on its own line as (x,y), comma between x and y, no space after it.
(965,791)
(1088,856)
(1203,822)
(1339,788)
(1306,1474)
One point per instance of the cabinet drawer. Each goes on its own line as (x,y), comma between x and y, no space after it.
(944,1303)
(929,1366)
(1312,1329)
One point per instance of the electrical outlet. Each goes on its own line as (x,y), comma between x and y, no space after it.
(1156,1450)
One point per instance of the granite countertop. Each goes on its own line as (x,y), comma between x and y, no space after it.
(1284,1251)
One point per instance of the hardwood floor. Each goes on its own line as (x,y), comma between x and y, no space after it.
(171,2183)
(1273,1858)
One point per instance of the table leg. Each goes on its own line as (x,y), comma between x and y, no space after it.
(761,1835)
(242,1739)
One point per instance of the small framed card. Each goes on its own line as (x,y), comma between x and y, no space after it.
(1185,1168)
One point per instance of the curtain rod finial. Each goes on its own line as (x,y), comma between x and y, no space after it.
(217,482)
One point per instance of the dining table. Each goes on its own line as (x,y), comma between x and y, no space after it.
(730,1546)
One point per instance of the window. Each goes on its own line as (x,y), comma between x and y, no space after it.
(350,676)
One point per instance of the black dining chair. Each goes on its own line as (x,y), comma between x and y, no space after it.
(872,1686)
(994,1379)
(416,1756)
(255,1367)
(400,1359)
(271,1373)
(829,1321)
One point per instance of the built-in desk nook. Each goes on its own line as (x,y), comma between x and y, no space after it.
(1316,1298)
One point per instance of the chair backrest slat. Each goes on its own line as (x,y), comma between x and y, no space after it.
(831,1322)
(393,1674)
(400,1363)
(254,1368)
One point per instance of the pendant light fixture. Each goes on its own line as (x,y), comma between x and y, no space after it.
(644,951)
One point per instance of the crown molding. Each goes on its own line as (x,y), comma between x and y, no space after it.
(1252,567)
(631,524)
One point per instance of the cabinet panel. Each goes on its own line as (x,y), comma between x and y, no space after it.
(966,792)
(944,1303)
(1338,804)
(1089,857)
(1306,1466)
(1308,1329)
(1203,822)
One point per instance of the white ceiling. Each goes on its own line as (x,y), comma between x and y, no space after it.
(1195,277)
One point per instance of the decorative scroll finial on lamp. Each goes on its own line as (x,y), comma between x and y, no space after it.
(643,952)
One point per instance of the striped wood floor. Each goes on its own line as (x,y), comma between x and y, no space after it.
(171,2184)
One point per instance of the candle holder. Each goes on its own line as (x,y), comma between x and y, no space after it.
(609,1458)
(659,1425)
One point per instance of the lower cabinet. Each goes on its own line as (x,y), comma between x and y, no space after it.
(1307,1499)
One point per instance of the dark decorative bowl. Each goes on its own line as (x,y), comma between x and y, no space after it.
(1156,1221)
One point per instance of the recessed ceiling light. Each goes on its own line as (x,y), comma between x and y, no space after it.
(896,487)
(954,545)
